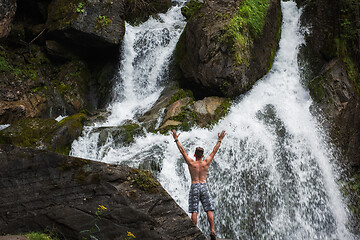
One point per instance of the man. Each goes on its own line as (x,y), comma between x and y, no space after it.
(199,190)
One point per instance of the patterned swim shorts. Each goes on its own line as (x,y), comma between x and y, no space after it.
(200,192)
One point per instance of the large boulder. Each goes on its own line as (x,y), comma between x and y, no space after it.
(7,13)
(225,48)
(95,26)
(83,199)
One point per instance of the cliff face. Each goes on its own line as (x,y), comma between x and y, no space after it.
(41,189)
(332,53)
(331,70)
(227,45)
(59,57)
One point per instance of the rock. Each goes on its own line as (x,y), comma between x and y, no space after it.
(176,108)
(331,70)
(47,190)
(139,11)
(94,26)
(58,50)
(121,136)
(14,237)
(206,110)
(191,7)
(169,123)
(153,118)
(44,133)
(333,92)
(185,113)
(7,13)
(214,61)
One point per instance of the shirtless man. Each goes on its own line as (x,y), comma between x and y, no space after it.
(199,190)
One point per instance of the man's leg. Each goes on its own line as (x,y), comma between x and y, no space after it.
(210,216)
(194,217)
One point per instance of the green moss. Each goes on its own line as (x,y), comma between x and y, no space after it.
(145,181)
(102,22)
(180,95)
(278,36)
(352,189)
(180,50)
(39,236)
(223,109)
(353,73)
(245,25)
(7,67)
(131,130)
(191,8)
(316,89)
(27,132)
(166,130)
(63,13)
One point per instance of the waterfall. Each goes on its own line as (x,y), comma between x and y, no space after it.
(274,176)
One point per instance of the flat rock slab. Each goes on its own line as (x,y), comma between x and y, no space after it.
(13,237)
(41,190)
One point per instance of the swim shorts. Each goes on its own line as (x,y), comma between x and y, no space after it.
(200,192)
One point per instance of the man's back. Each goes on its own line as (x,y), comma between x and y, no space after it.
(198,171)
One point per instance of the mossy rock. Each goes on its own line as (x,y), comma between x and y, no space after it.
(45,133)
(62,13)
(122,136)
(27,132)
(144,180)
(191,8)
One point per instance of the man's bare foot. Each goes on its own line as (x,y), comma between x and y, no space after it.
(212,236)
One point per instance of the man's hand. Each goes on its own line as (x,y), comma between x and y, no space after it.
(221,135)
(175,136)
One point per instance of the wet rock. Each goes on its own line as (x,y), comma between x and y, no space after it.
(139,11)
(213,61)
(208,110)
(331,70)
(44,133)
(94,26)
(121,136)
(48,190)
(176,108)
(7,13)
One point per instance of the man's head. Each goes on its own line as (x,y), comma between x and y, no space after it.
(199,153)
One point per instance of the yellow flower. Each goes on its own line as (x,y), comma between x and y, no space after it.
(131,235)
(102,207)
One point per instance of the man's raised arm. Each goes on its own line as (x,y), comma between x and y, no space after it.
(180,147)
(216,148)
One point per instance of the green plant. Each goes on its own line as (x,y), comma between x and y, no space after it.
(102,21)
(145,181)
(180,95)
(245,25)
(38,236)
(80,8)
(88,234)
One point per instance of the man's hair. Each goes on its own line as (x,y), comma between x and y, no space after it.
(199,152)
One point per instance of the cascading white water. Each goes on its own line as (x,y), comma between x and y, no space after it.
(273,177)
